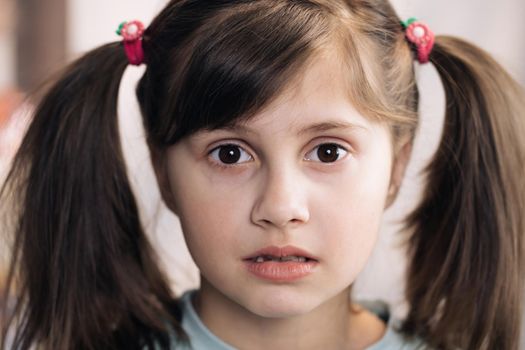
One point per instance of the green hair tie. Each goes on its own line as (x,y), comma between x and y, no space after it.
(119,30)
(408,22)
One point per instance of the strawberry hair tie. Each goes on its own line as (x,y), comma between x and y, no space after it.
(131,33)
(421,36)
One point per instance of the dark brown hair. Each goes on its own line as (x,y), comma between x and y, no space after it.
(86,275)
(465,279)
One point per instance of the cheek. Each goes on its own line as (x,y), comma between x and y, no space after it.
(350,212)
(209,217)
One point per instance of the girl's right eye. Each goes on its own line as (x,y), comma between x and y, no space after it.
(230,154)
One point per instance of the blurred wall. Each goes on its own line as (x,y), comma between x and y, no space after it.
(40,41)
(7,43)
(7,80)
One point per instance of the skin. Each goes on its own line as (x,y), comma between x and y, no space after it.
(280,193)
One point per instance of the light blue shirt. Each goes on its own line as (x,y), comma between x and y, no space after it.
(202,338)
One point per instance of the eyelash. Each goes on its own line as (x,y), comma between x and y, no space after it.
(216,161)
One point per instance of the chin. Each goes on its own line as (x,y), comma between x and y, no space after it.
(281,304)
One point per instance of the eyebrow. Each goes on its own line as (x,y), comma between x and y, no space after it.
(309,129)
(329,126)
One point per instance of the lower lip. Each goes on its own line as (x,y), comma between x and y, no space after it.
(286,271)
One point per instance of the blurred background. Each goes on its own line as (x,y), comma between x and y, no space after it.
(38,37)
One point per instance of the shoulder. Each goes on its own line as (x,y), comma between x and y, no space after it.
(199,335)
(392,338)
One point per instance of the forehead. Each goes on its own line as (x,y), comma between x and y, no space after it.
(318,95)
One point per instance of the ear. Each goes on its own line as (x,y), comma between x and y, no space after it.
(401,158)
(158,161)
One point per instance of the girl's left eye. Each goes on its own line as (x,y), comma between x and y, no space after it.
(230,154)
(326,153)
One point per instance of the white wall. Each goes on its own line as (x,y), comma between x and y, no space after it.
(93,22)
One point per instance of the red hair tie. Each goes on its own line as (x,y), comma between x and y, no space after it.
(420,35)
(131,33)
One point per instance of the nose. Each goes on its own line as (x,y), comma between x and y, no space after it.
(282,200)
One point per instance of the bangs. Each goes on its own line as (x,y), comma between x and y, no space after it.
(239,65)
(221,64)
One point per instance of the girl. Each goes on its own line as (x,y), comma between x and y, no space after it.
(279,132)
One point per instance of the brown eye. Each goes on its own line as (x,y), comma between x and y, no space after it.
(230,154)
(327,153)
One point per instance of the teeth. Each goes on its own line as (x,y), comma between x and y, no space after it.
(294,258)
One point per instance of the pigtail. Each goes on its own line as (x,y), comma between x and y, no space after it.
(86,276)
(465,277)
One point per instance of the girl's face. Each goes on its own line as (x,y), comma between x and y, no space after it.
(309,172)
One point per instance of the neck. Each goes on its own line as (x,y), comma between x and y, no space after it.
(329,326)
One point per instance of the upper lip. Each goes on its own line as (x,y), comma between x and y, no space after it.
(280,252)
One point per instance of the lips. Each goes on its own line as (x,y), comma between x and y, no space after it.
(274,253)
(281,265)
